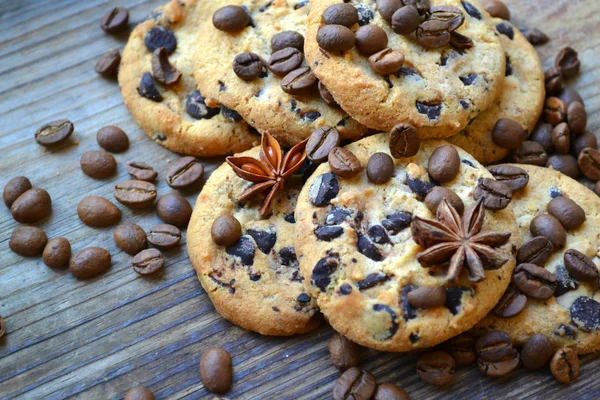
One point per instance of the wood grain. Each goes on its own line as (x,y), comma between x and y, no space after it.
(96,339)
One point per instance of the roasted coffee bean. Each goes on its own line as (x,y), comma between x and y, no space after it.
(184,173)
(543,135)
(386,61)
(162,70)
(533,281)
(108,64)
(148,89)
(555,111)
(404,141)
(444,164)
(535,36)
(569,95)
(422,6)
(436,368)
(285,61)
(589,163)
(54,132)
(32,206)
(564,163)
(299,81)
(139,393)
(98,164)
(174,209)
(494,346)
(535,251)
(565,365)
(495,195)
(433,34)
(287,39)
(460,42)
(497,9)
(567,212)
(561,138)
(135,194)
(98,212)
(514,177)
(230,19)
(577,117)
(587,139)
(462,349)
(370,39)
(389,391)
(158,37)
(28,241)
(343,162)
(2,327)
(14,188)
(141,171)
(247,66)
(89,262)
(321,142)
(531,153)
(326,95)
(508,133)
(387,8)
(57,253)
(537,351)
(439,193)
(554,81)
(405,20)
(216,370)
(580,266)
(344,352)
(130,238)
(112,138)
(568,62)
(148,262)
(548,226)
(380,168)
(340,14)
(511,303)
(427,297)
(164,236)
(448,14)
(354,384)
(335,38)
(506,358)
(226,230)
(115,20)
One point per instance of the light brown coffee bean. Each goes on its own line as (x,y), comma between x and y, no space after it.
(230,18)
(32,206)
(561,138)
(577,117)
(548,226)
(404,141)
(380,168)
(14,188)
(298,82)
(555,111)
(567,212)
(452,16)
(226,230)
(436,368)
(508,134)
(135,194)
(164,236)
(386,61)
(494,195)
(98,164)
(148,262)
(344,353)
(141,171)
(89,262)
(139,393)
(511,303)
(531,153)
(405,20)
(98,212)
(565,365)
(444,164)
(370,39)
(284,61)
(589,163)
(343,162)
(112,138)
(537,351)
(321,142)
(28,241)
(387,8)
(108,64)
(354,384)
(54,132)
(439,193)
(514,177)
(174,209)
(335,38)
(568,62)
(216,370)
(533,281)
(433,34)
(580,266)
(340,14)
(130,238)
(389,391)
(287,39)
(57,253)
(427,297)
(535,251)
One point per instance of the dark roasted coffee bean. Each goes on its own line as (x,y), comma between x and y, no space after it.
(548,226)
(287,39)
(380,168)
(589,163)
(554,81)
(405,20)
(226,230)
(537,351)
(569,95)
(439,193)
(98,164)
(535,36)
(370,39)
(158,37)
(216,370)
(533,281)
(148,262)
(141,171)
(335,38)
(387,8)
(427,297)
(32,206)
(511,303)
(108,64)
(532,153)
(535,251)
(28,241)
(299,81)
(96,211)
(555,111)
(462,349)
(568,62)
(354,384)
(247,66)
(230,19)
(148,89)
(587,139)
(196,107)
(422,6)
(567,212)
(389,391)
(162,70)
(344,352)
(448,14)
(436,368)
(340,14)
(139,393)
(14,188)
(135,194)
(164,236)
(495,195)
(564,163)
(285,61)
(57,253)
(514,177)
(326,95)
(112,138)
(89,262)
(500,367)
(386,61)
(494,346)
(343,162)
(115,20)
(577,117)
(184,172)
(565,365)
(580,266)
(321,142)
(543,135)
(404,141)
(54,132)
(130,238)
(561,138)
(433,34)
(497,9)
(444,164)
(508,133)
(174,209)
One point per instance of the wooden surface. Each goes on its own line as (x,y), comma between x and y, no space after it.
(96,339)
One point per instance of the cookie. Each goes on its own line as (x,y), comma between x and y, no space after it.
(570,317)
(438,91)
(255,283)
(262,101)
(358,254)
(522,97)
(179,118)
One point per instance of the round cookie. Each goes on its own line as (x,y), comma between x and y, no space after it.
(575,303)
(522,98)
(438,91)
(359,258)
(255,283)
(261,101)
(212,130)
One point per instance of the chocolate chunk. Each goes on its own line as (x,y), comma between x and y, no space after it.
(265,240)
(585,314)
(378,234)
(564,331)
(394,319)
(158,37)
(564,282)
(229,114)
(289,217)
(303,298)
(372,280)
(337,216)
(506,29)
(244,249)
(408,311)
(468,80)
(367,248)
(196,107)
(471,10)
(328,233)
(148,89)
(345,289)
(365,14)
(431,110)
(454,297)
(418,186)
(321,274)
(323,190)
(287,256)
(397,222)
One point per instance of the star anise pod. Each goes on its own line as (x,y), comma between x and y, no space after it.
(460,241)
(270,171)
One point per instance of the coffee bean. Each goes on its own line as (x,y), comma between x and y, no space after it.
(31,206)
(141,171)
(568,62)
(287,39)
(555,111)
(436,368)
(184,173)
(380,168)
(508,133)
(340,14)
(54,132)
(543,135)
(321,142)
(460,42)
(174,209)
(535,251)
(230,19)
(57,253)
(444,164)
(326,95)
(115,20)
(561,138)
(344,353)
(497,356)
(514,177)
(537,351)
(98,164)
(343,162)
(387,8)
(299,81)
(247,66)
(567,212)
(587,139)
(389,391)
(135,194)
(112,138)
(148,89)
(354,384)
(158,37)
(433,34)
(565,365)
(533,281)
(335,38)
(285,61)
(564,163)
(386,61)
(14,188)
(108,64)
(196,107)
(89,262)
(422,6)
(495,195)
(148,262)
(448,14)
(370,39)
(2,327)
(226,230)
(580,266)
(589,163)
(439,193)
(569,95)
(531,153)
(139,393)
(130,238)
(554,81)
(511,303)
(162,70)
(28,241)
(404,141)
(216,370)
(497,9)
(98,212)
(164,236)
(535,36)
(405,20)
(577,117)
(427,297)
(549,227)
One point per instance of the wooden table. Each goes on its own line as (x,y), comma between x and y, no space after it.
(95,339)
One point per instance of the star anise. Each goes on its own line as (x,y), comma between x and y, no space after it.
(270,171)
(460,241)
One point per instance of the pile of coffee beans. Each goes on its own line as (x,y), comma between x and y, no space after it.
(356,383)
